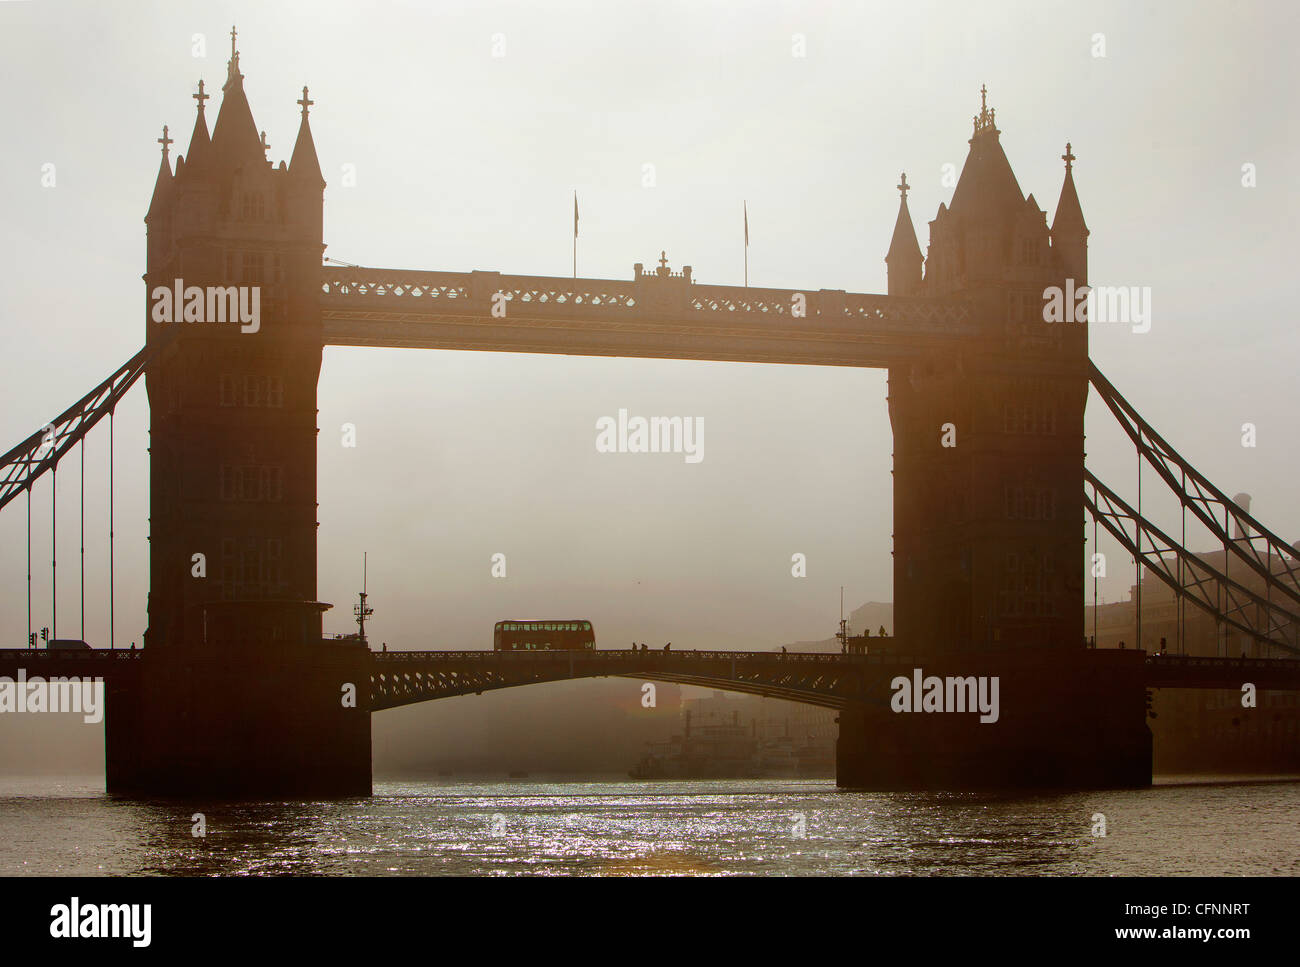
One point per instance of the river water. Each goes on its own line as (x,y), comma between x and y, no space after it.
(740,826)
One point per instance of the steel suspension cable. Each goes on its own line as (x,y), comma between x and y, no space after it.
(54,550)
(111,623)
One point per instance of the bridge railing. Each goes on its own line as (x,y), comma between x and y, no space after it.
(428,293)
(1232,664)
(630,656)
(90,656)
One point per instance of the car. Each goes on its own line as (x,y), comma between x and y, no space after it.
(66,644)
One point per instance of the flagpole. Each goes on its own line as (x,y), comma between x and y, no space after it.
(746,204)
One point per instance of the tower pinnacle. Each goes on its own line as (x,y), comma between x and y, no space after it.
(986,119)
(165,141)
(199,140)
(232,66)
(304,164)
(1069,230)
(904,261)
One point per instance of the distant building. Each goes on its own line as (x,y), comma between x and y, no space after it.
(739,736)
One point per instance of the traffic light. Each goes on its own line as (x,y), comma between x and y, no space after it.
(1150,699)
(45,634)
(31,639)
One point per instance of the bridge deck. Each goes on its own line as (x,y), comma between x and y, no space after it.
(97,662)
(666,317)
(828,679)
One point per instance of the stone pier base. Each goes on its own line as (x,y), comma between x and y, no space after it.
(1066,720)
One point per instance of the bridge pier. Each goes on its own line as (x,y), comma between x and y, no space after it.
(1066,720)
(241,725)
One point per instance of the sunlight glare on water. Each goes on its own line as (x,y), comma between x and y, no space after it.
(742,826)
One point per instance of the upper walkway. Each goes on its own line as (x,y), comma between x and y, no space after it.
(657,315)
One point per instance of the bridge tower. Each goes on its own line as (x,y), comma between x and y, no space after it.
(242,696)
(988,493)
(988,442)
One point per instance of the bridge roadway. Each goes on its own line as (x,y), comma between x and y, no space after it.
(659,314)
(827,679)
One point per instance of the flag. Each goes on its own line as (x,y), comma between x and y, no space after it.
(575,214)
(746,224)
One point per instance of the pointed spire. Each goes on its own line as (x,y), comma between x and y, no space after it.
(987,186)
(200,142)
(234,137)
(1069,230)
(304,163)
(163,184)
(1069,213)
(904,261)
(904,243)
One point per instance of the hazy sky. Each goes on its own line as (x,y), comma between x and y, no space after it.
(468,161)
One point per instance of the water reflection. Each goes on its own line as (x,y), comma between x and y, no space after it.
(786,827)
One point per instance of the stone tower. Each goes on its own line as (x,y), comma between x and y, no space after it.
(233,401)
(988,441)
(238,694)
(989,516)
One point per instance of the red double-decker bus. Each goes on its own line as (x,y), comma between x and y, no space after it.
(542,635)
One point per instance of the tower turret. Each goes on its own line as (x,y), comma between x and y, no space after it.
(200,142)
(904,261)
(307,184)
(1069,231)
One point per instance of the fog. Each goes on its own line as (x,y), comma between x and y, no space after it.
(465,160)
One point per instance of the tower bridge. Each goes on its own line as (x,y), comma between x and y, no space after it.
(237,692)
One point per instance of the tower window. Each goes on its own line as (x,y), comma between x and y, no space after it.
(254,266)
(252,207)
